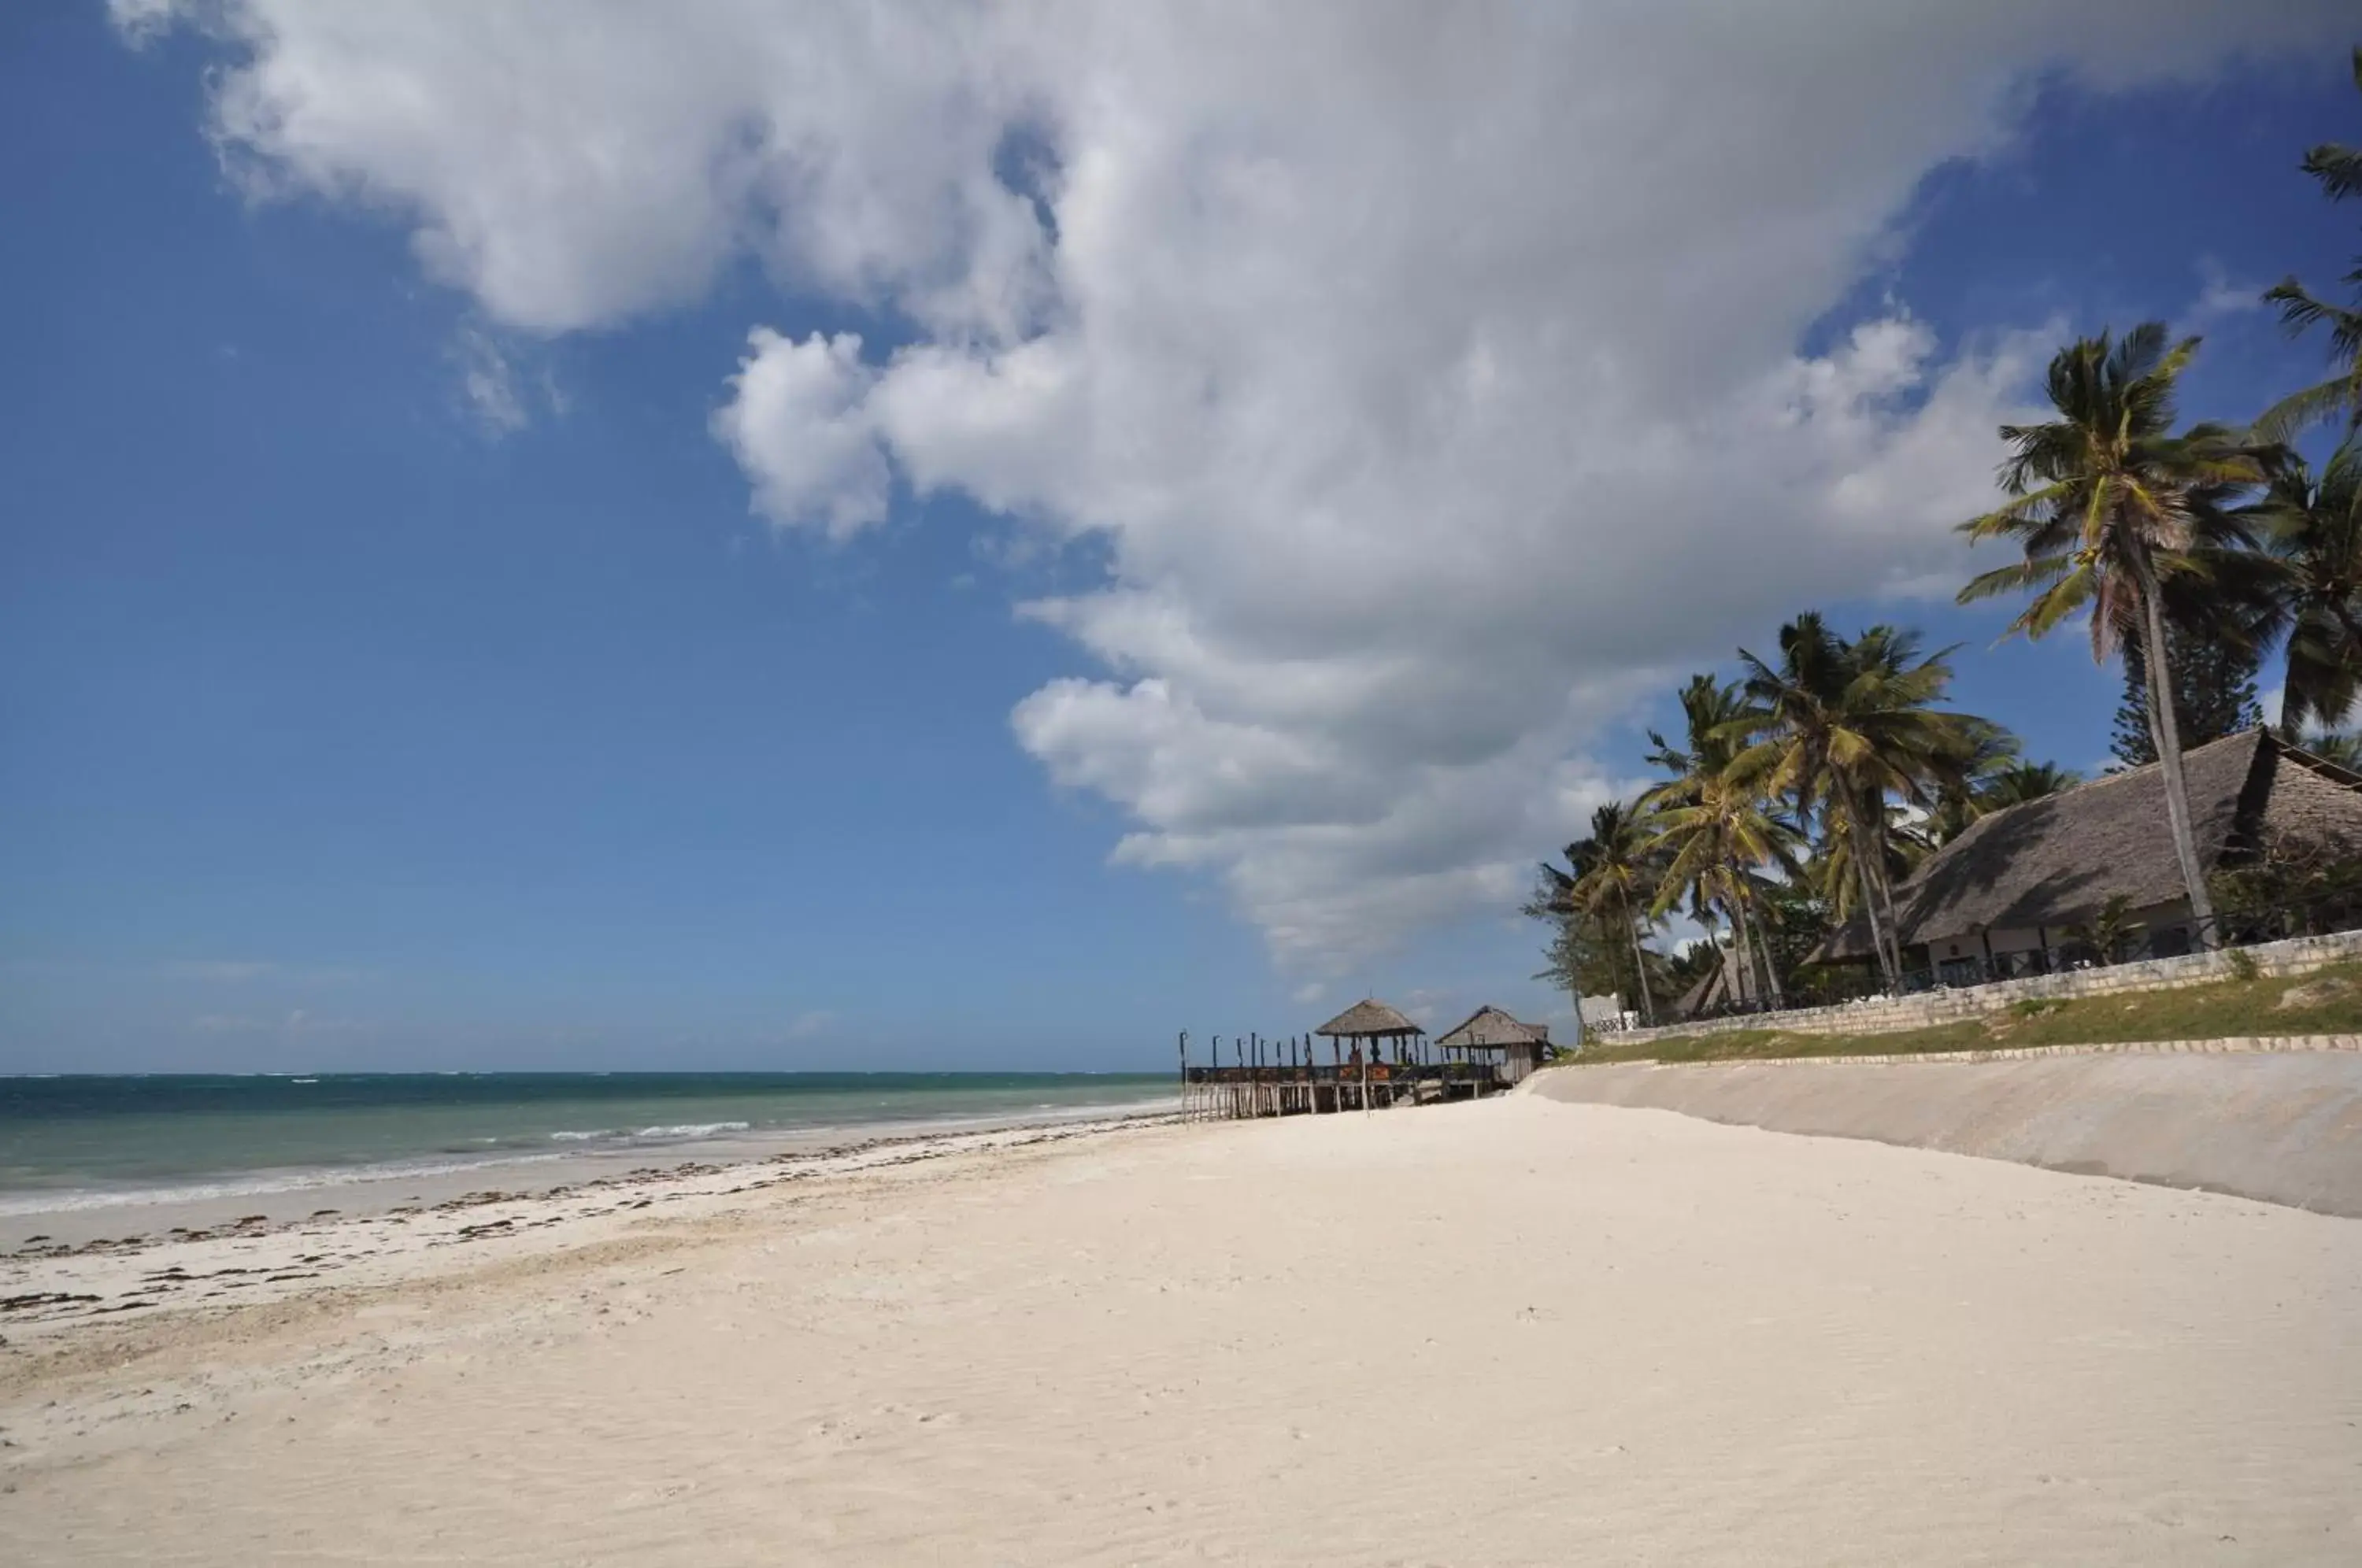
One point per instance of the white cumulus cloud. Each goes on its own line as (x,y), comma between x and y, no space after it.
(1430,376)
(799,423)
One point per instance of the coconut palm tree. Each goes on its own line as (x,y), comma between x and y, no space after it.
(1713,846)
(2339,169)
(1898,844)
(2106,932)
(1612,878)
(2343,748)
(2020,782)
(2107,502)
(1714,833)
(1961,798)
(1709,708)
(2312,528)
(1846,730)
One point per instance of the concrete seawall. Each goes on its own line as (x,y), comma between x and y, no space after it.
(2279,1128)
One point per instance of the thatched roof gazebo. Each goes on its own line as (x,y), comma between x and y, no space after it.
(1373,1022)
(1488,1030)
(1369,1019)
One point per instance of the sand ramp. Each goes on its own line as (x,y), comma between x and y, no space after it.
(2283,1128)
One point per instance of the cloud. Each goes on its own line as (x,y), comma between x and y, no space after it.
(227,970)
(2219,296)
(807,1025)
(1428,381)
(296,1022)
(797,422)
(489,382)
(239,971)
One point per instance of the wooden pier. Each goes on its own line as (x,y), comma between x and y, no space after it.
(1378,1059)
(1224,1093)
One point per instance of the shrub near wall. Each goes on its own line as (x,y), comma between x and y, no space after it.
(2296,955)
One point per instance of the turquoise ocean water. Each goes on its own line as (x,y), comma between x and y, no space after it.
(65,1141)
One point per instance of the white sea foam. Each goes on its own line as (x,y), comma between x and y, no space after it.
(261,1185)
(682,1130)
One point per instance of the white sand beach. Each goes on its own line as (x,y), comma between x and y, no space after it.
(1516,1331)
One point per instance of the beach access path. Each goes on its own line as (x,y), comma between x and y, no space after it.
(1511,1331)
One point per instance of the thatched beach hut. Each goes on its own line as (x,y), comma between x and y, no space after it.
(1365,1029)
(1368,1026)
(1488,1032)
(2009,894)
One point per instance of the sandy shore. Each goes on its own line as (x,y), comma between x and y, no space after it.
(1516,1331)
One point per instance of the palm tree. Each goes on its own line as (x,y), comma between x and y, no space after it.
(1715,835)
(1713,832)
(1840,728)
(2220,614)
(2105,933)
(2020,782)
(1896,846)
(2339,169)
(1611,877)
(2312,528)
(1961,799)
(2343,748)
(2107,502)
(1713,846)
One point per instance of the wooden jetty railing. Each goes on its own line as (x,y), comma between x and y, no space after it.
(1295,1085)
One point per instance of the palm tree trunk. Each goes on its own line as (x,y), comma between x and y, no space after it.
(1639,964)
(1889,965)
(1573,985)
(1742,953)
(1886,888)
(2166,730)
(1742,931)
(1771,966)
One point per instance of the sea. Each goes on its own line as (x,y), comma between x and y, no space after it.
(71,1143)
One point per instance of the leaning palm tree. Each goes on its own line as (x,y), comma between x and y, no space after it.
(1844,729)
(1611,878)
(2339,169)
(2312,528)
(2107,504)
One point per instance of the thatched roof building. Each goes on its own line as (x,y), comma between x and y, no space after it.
(1521,1046)
(1369,1020)
(2025,873)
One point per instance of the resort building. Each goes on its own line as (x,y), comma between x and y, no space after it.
(2019,891)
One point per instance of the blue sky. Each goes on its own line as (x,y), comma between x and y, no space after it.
(353,719)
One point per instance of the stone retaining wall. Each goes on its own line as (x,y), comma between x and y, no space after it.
(2234,1044)
(2296,955)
